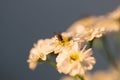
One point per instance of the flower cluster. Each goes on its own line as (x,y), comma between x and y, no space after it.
(73,47)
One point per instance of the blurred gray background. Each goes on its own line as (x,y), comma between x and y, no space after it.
(23,22)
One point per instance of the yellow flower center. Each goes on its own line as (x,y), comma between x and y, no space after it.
(64,41)
(75,56)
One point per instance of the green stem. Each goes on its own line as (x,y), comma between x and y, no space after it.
(78,77)
(51,62)
(109,55)
(81,77)
(91,43)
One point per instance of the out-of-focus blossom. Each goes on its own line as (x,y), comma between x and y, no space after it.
(80,26)
(88,35)
(115,14)
(109,25)
(67,78)
(109,74)
(70,78)
(75,61)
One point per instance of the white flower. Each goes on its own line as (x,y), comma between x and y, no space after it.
(62,42)
(109,25)
(88,35)
(45,45)
(40,51)
(78,27)
(75,61)
(33,58)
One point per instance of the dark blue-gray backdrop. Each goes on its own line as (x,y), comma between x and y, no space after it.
(23,22)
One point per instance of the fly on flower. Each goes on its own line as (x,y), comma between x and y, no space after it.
(59,37)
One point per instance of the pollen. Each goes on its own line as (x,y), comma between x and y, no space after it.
(75,56)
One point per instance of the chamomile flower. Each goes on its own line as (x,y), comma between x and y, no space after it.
(88,35)
(109,25)
(33,58)
(79,26)
(40,51)
(62,42)
(76,29)
(75,61)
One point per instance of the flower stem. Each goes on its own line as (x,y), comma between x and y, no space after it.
(91,43)
(81,77)
(51,62)
(78,77)
(109,55)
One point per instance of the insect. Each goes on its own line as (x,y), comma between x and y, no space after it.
(59,37)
